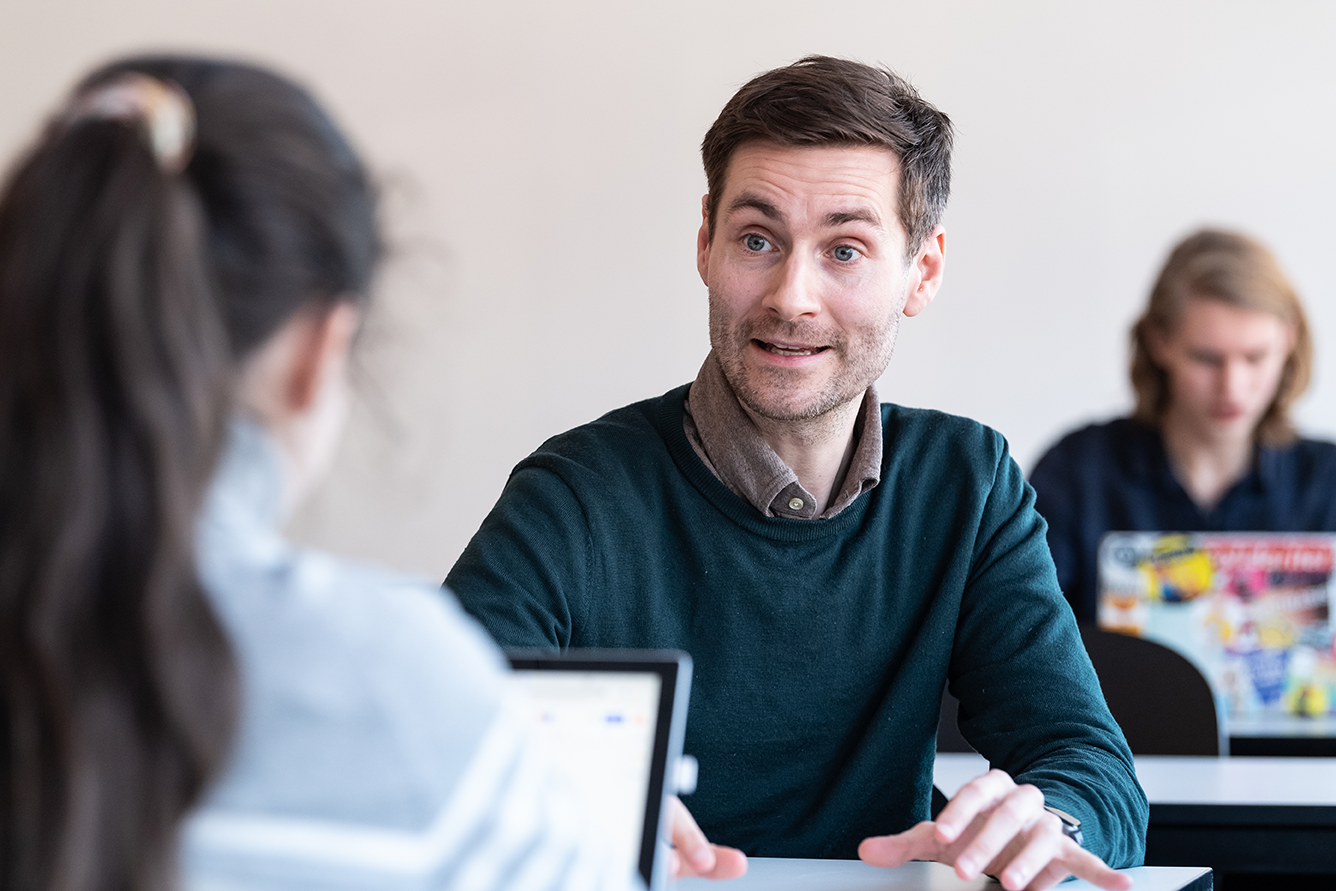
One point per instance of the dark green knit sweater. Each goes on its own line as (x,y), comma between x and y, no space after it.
(820,646)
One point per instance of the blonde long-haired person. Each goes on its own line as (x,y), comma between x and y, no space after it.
(184,256)
(1218,359)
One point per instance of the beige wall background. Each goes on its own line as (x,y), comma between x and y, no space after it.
(542,185)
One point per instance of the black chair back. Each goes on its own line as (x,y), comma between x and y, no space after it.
(1163,703)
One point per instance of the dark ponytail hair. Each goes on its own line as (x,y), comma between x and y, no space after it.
(129,294)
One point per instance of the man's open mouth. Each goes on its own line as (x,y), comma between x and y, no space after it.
(785,349)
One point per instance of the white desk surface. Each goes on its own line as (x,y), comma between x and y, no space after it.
(771,874)
(1183,779)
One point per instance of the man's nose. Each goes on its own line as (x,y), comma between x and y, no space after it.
(794,292)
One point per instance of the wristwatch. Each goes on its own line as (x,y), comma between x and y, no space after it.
(1071,827)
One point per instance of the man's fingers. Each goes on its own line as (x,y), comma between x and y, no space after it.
(1042,864)
(973,798)
(1005,829)
(916,843)
(729,863)
(1050,876)
(1085,865)
(695,854)
(1023,865)
(993,825)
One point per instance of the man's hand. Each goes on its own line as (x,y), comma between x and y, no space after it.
(996,827)
(693,855)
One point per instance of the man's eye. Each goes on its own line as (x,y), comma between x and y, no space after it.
(844,253)
(756,243)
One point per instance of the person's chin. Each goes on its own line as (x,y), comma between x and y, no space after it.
(1231,425)
(782,402)
(777,408)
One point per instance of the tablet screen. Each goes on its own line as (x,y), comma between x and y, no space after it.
(612,720)
(599,728)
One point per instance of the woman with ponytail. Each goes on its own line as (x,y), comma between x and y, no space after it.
(183,259)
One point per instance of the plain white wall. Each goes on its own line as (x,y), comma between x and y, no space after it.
(542,185)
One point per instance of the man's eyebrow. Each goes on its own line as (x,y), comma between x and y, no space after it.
(767,209)
(752,201)
(860,215)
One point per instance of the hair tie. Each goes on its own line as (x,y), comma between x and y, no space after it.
(162,109)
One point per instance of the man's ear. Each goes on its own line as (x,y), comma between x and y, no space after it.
(321,345)
(929,266)
(703,241)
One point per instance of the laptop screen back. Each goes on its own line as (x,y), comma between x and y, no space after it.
(1251,610)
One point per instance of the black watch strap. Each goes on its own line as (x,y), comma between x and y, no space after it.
(1071,827)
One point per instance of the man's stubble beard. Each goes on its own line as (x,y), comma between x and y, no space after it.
(847,384)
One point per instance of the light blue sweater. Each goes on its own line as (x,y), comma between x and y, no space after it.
(377,748)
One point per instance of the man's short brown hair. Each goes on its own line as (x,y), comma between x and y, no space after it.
(1241,272)
(820,101)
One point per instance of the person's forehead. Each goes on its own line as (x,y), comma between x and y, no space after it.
(834,172)
(1210,319)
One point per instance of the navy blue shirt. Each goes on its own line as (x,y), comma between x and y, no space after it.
(1115,477)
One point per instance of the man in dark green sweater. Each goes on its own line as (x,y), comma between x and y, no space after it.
(829,562)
